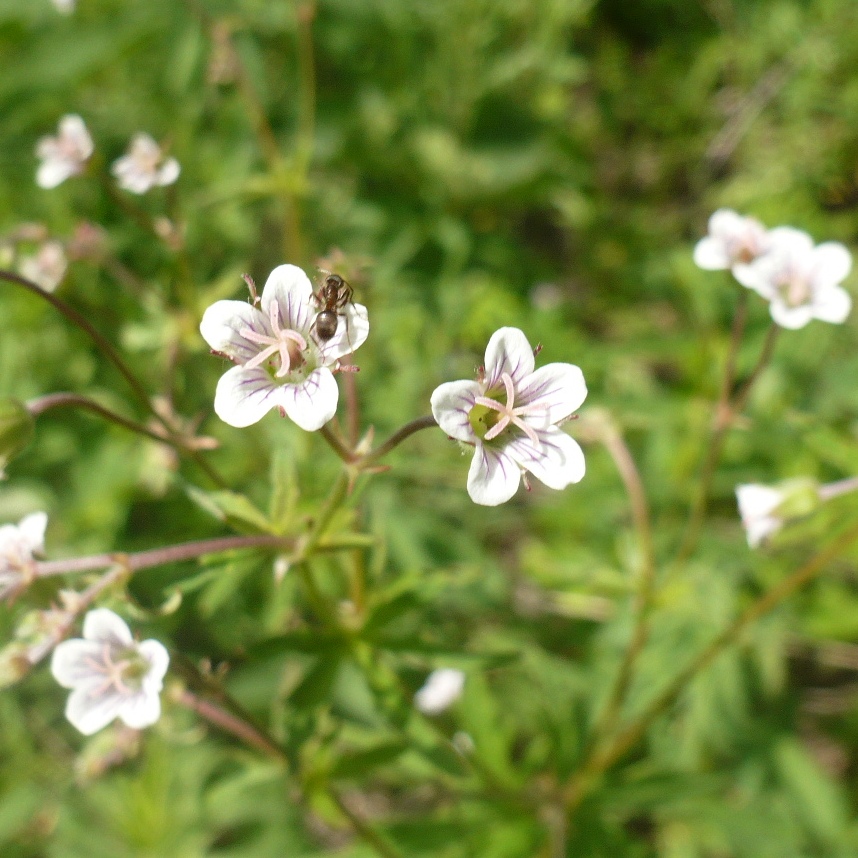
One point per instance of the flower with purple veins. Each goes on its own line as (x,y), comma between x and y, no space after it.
(510,415)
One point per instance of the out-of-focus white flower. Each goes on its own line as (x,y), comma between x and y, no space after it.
(111,675)
(19,543)
(144,167)
(800,280)
(758,509)
(66,154)
(510,415)
(64,7)
(46,267)
(442,688)
(732,240)
(280,361)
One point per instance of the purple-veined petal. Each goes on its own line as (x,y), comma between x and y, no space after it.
(451,406)
(558,462)
(71,663)
(224,320)
(558,388)
(509,352)
(290,287)
(493,477)
(832,304)
(352,331)
(158,658)
(791,318)
(244,396)
(314,402)
(832,262)
(90,708)
(104,626)
(140,710)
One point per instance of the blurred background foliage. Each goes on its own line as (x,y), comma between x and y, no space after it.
(467,164)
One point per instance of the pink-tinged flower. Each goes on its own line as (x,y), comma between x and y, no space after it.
(46,267)
(732,240)
(510,415)
(442,689)
(144,167)
(800,280)
(66,154)
(111,675)
(281,362)
(19,544)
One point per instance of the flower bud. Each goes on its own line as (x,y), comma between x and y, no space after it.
(16,430)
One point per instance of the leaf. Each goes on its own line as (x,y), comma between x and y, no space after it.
(361,763)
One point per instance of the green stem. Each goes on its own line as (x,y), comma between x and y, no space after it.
(398,437)
(603,758)
(364,829)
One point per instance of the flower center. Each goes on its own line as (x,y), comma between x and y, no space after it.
(491,416)
(121,669)
(286,345)
(794,289)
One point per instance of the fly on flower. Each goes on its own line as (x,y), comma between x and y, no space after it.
(510,415)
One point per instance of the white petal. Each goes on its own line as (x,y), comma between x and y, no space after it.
(710,254)
(291,288)
(311,404)
(557,462)
(451,406)
(493,477)
(755,275)
(760,529)
(54,172)
(791,318)
(441,689)
(244,396)
(797,241)
(221,325)
(90,709)
(159,660)
(141,710)
(32,530)
(105,626)
(725,223)
(558,388)
(169,172)
(352,331)
(508,351)
(832,263)
(71,661)
(756,500)
(832,304)
(73,128)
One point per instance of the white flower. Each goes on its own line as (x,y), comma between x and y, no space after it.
(799,279)
(18,546)
(144,167)
(281,361)
(46,267)
(732,240)
(510,414)
(110,674)
(758,508)
(66,154)
(65,7)
(442,688)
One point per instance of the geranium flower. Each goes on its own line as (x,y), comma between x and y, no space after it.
(800,280)
(66,154)
(111,675)
(281,361)
(19,543)
(46,267)
(442,688)
(732,240)
(144,167)
(758,507)
(510,415)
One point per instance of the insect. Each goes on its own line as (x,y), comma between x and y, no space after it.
(333,296)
